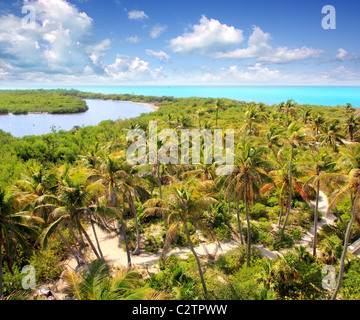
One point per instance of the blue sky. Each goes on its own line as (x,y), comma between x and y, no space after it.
(117,42)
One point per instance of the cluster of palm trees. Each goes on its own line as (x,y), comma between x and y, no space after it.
(282,150)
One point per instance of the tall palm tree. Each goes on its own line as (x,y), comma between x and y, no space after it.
(219,106)
(73,199)
(352,187)
(15,227)
(200,113)
(306,115)
(188,203)
(110,173)
(288,108)
(280,181)
(318,123)
(321,162)
(352,124)
(246,179)
(295,137)
(130,185)
(331,135)
(252,115)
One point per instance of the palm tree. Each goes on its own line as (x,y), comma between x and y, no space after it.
(73,199)
(99,284)
(15,227)
(349,109)
(188,203)
(219,105)
(110,173)
(288,107)
(318,123)
(130,187)
(37,188)
(321,163)
(252,115)
(331,135)
(306,115)
(295,138)
(246,179)
(352,187)
(273,137)
(352,125)
(198,114)
(280,181)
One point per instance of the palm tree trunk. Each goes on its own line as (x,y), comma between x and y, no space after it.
(337,214)
(316,217)
(290,188)
(159,180)
(95,235)
(238,220)
(1,276)
(248,230)
(346,241)
(73,252)
(133,211)
(88,239)
(196,257)
(123,227)
(281,210)
(229,204)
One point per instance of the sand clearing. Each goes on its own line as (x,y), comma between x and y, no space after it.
(112,252)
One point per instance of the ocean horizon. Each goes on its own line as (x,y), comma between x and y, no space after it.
(312,95)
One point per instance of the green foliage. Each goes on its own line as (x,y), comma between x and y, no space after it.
(232,261)
(258,211)
(51,101)
(350,289)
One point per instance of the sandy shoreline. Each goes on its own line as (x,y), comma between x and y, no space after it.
(146,104)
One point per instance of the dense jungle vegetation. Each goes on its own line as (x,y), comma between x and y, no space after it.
(55,187)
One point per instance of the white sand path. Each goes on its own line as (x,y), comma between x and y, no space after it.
(115,255)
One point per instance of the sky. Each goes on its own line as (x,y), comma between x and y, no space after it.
(156,42)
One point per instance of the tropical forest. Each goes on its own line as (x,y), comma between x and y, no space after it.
(282,225)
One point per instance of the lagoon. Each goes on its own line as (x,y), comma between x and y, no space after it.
(99,110)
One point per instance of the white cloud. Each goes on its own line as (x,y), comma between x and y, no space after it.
(61,48)
(252,74)
(133,39)
(57,43)
(206,37)
(161,55)
(284,54)
(157,30)
(137,15)
(341,73)
(343,55)
(128,68)
(259,48)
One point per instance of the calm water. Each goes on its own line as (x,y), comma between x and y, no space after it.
(37,124)
(325,96)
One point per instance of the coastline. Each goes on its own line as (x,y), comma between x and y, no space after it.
(146,104)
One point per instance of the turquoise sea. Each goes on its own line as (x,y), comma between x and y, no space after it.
(326,96)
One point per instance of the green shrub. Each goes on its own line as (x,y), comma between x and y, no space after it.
(258,211)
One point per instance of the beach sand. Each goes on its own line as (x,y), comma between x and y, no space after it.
(146,104)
